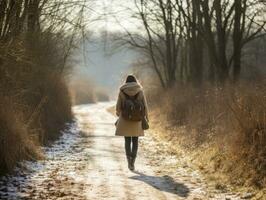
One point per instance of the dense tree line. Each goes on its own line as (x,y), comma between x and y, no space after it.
(192,41)
(209,57)
(37,39)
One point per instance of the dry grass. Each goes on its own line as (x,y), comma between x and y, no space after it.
(18,142)
(57,109)
(219,127)
(35,102)
(84,91)
(102,95)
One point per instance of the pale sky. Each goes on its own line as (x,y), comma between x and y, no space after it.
(114,15)
(107,68)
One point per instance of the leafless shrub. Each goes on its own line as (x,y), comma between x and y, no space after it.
(18,142)
(232,117)
(36,43)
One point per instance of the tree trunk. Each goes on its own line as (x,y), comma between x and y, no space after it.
(221,43)
(237,38)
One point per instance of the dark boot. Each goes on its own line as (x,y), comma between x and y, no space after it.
(129,161)
(133,163)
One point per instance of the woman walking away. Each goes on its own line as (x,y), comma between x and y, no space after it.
(131,108)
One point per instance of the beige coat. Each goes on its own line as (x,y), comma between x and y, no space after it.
(125,127)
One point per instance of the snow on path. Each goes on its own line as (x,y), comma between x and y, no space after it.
(107,171)
(88,162)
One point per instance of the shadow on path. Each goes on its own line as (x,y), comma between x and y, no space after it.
(163,183)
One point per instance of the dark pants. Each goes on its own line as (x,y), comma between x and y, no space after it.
(131,150)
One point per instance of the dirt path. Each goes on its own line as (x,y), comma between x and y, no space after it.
(107,171)
(88,162)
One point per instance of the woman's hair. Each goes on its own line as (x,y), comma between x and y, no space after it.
(131,78)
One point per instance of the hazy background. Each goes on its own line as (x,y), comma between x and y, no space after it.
(103,66)
(98,62)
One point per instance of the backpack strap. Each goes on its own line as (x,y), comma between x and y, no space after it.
(136,95)
(127,96)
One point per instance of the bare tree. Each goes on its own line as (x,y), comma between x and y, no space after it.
(161,39)
(221,19)
(249,24)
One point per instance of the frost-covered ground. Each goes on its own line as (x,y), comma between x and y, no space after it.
(59,175)
(88,162)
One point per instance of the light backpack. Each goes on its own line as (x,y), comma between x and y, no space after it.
(132,108)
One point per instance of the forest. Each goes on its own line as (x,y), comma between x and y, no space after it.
(37,39)
(205,60)
(208,64)
(201,64)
